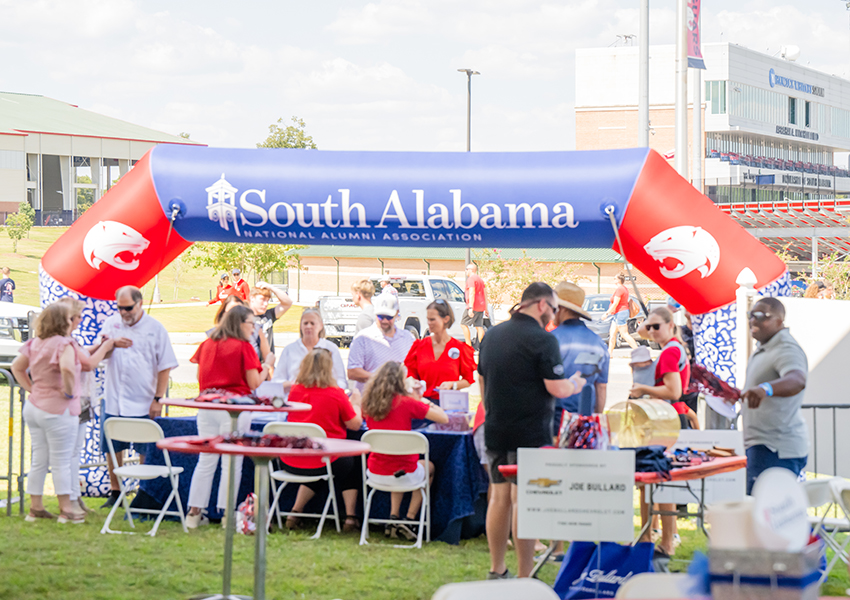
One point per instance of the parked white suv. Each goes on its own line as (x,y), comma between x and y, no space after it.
(14,329)
(415,293)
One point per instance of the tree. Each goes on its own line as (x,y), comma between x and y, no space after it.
(29,211)
(259,259)
(292,136)
(507,278)
(18,224)
(85,196)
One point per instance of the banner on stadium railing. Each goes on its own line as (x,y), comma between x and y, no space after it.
(176,195)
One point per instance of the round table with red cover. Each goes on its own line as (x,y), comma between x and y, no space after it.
(261,456)
(233,410)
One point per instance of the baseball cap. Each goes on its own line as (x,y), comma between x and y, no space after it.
(571,296)
(640,354)
(236,271)
(223,275)
(672,304)
(386,305)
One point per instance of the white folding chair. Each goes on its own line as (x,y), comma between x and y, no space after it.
(829,527)
(285,477)
(657,586)
(141,431)
(503,589)
(397,443)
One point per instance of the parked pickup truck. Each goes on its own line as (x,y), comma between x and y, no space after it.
(415,293)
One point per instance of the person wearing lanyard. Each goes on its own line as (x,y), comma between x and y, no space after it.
(312,337)
(672,376)
(441,361)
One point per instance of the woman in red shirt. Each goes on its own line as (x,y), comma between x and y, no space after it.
(335,413)
(441,361)
(224,290)
(672,377)
(226,361)
(387,405)
(619,308)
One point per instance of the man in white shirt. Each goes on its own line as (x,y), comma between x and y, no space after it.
(137,369)
(387,287)
(379,343)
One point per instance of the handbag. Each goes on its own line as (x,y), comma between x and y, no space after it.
(597,571)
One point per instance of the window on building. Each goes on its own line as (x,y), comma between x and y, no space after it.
(715,96)
(792,111)
(808,114)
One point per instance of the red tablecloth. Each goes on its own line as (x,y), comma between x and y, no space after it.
(716,466)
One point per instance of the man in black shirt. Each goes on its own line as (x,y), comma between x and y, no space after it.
(265,316)
(521,374)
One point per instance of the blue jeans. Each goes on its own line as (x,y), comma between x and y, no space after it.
(761,458)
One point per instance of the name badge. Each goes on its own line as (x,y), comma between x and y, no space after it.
(454,353)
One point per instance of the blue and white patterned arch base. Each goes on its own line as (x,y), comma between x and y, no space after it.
(96,480)
(714,333)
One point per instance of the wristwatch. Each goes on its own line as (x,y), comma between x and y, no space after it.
(157,398)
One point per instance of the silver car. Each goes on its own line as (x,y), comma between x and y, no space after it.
(597,304)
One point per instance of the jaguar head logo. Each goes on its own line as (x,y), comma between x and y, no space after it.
(684,249)
(115,244)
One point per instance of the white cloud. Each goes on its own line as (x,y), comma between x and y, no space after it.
(372,75)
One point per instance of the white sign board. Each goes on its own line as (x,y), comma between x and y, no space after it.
(725,487)
(584,495)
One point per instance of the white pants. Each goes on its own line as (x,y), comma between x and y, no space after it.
(76,458)
(53,438)
(212,423)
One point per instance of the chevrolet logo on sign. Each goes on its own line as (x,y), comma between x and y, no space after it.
(544,482)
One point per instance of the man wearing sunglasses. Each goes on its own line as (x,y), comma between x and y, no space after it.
(775,433)
(136,371)
(379,343)
(521,374)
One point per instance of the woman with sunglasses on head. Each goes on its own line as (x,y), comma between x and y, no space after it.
(387,404)
(672,377)
(258,340)
(439,360)
(226,361)
(333,411)
(49,367)
(312,336)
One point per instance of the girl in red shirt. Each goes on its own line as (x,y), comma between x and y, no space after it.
(335,413)
(387,405)
(226,361)
(440,360)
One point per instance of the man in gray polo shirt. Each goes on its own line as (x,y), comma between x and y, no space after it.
(774,430)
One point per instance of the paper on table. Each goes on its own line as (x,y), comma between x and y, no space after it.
(721,407)
(270,389)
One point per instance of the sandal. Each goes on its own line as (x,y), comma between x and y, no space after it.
(35,515)
(351,524)
(74,518)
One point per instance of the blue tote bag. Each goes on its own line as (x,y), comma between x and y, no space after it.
(597,571)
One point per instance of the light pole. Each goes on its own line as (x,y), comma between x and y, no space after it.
(469,74)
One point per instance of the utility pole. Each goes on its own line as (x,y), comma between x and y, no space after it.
(469,74)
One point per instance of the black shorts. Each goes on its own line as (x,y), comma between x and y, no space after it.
(495,459)
(476,320)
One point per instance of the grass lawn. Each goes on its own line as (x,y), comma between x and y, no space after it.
(84,563)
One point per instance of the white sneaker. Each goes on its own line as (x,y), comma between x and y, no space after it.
(195,521)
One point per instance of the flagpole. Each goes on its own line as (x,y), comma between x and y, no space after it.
(681,89)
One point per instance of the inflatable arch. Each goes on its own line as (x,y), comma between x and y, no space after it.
(176,195)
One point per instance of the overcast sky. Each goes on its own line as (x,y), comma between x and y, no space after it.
(376,75)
